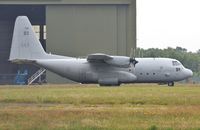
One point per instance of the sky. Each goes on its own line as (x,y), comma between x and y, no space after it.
(168,23)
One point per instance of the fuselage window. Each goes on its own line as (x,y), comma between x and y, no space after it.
(154,73)
(147,73)
(140,73)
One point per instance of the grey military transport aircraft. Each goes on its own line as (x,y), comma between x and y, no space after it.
(97,68)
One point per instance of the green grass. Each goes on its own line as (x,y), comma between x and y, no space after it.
(88,107)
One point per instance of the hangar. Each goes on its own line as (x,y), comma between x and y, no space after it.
(69,27)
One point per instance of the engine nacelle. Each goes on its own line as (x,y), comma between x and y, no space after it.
(119,61)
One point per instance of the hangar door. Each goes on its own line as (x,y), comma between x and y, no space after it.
(6,29)
(78,30)
(8,14)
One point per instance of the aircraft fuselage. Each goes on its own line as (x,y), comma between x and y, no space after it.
(96,68)
(148,70)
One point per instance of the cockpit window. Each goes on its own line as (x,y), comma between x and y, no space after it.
(176,63)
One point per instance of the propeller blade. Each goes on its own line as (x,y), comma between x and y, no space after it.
(132,57)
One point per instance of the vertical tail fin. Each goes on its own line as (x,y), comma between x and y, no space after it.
(25,45)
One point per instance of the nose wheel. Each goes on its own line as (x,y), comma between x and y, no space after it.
(171,84)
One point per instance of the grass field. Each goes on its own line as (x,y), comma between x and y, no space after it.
(89,107)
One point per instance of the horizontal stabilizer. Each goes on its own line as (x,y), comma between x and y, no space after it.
(20,61)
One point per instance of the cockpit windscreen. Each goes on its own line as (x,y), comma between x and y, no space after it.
(176,63)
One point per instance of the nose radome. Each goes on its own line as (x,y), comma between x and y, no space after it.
(189,73)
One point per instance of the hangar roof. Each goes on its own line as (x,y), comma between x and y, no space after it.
(46,2)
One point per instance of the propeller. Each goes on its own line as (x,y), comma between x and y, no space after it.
(133,61)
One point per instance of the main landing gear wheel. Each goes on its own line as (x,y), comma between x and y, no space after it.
(171,84)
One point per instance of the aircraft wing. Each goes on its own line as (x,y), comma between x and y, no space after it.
(118,61)
(98,57)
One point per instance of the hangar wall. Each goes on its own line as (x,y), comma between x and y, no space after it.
(86,29)
(79,27)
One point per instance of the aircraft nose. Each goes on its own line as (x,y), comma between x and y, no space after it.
(189,73)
